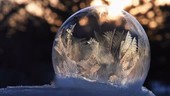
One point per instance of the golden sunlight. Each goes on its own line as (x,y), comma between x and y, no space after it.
(147,12)
(34,9)
(83,21)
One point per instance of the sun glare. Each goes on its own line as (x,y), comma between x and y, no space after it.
(147,12)
(115,6)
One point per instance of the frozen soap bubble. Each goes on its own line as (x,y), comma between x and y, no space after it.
(98,45)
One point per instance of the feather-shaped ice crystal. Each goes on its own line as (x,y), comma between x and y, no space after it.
(93,46)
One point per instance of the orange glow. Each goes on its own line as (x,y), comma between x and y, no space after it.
(50,20)
(103,18)
(147,12)
(61,6)
(116,6)
(162,2)
(120,4)
(58,22)
(22,12)
(82,5)
(113,11)
(84,21)
(54,29)
(118,23)
(21,1)
(153,24)
(133,11)
(35,9)
(96,3)
(54,2)
(150,14)
(74,8)
(159,19)
(144,21)
(12,23)
(135,2)
(144,8)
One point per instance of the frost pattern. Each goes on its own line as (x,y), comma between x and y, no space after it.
(96,59)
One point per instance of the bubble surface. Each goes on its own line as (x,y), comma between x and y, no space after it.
(98,45)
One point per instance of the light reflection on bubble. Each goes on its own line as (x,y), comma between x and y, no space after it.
(95,46)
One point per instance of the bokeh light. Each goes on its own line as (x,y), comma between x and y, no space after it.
(148,12)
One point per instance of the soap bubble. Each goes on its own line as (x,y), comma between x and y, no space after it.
(98,45)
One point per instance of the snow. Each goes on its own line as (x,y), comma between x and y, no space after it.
(161,89)
(72,88)
(33,91)
(20,91)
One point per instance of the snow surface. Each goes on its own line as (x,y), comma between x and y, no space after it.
(42,91)
(78,88)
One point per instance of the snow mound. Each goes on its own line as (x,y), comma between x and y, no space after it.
(39,91)
(75,87)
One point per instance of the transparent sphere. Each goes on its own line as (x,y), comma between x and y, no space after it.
(100,45)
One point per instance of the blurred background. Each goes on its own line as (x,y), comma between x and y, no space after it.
(28,27)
